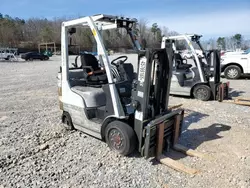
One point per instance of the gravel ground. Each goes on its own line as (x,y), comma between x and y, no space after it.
(35,151)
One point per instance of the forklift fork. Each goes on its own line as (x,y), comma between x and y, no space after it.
(166,141)
(223,91)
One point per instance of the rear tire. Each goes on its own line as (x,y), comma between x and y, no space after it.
(67,121)
(202,92)
(120,137)
(232,72)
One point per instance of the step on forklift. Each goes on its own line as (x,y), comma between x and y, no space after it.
(198,76)
(104,100)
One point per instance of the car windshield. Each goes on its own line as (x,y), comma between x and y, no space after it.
(247,51)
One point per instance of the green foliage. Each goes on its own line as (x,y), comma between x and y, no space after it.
(221,43)
(238,39)
(154,28)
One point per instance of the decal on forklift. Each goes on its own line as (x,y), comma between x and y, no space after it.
(140,94)
(142,69)
(94,32)
(138,115)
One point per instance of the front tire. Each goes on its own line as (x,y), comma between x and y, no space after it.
(8,58)
(232,72)
(67,121)
(120,137)
(202,92)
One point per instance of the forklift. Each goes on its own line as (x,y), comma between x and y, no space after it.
(103,99)
(198,77)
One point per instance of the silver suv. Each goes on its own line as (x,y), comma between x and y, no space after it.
(7,54)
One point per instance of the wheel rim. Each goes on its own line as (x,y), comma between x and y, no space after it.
(116,139)
(202,93)
(232,73)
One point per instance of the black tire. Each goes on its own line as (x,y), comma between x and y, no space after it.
(67,121)
(202,92)
(120,137)
(232,72)
(30,59)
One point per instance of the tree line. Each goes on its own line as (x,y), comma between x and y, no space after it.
(20,33)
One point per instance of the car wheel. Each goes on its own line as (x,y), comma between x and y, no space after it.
(120,137)
(202,92)
(30,59)
(232,72)
(67,121)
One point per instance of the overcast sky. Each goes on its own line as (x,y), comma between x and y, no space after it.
(211,18)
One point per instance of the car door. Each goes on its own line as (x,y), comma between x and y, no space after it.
(244,61)
(36,56)
(248,63)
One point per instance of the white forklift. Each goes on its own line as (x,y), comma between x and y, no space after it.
(104,100)
(199,76)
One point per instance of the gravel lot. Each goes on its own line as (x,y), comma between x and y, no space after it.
(35,151)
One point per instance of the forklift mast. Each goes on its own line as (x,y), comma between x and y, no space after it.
(213,60)
(150,92)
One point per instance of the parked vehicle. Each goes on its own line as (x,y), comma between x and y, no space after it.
(187,55)
(8,53)
(48,53)
(235,65)
(233,52)
(34,55)
(199,77)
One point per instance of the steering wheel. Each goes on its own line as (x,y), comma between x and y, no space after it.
(120,62)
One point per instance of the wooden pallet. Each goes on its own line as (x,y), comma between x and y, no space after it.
(178,166)
(242,101)
(239,101)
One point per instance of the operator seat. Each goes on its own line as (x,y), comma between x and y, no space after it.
(93,73)
(179,62)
